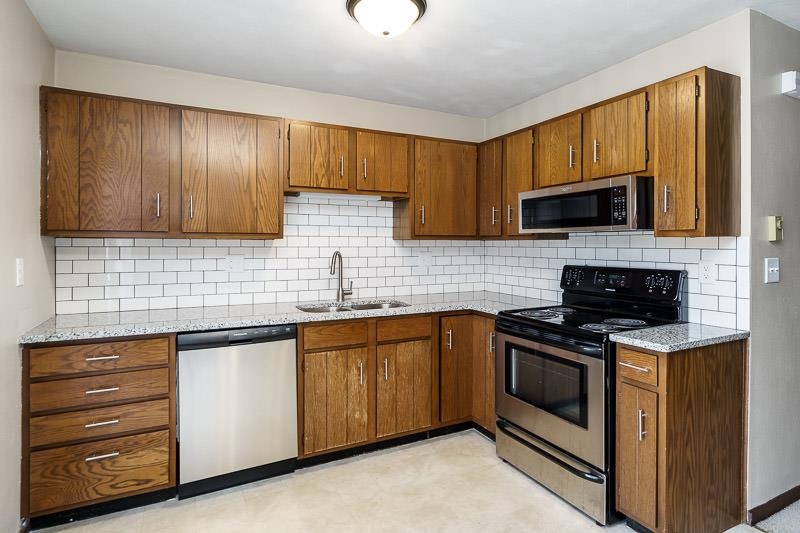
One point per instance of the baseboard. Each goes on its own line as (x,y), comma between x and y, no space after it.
(778,503)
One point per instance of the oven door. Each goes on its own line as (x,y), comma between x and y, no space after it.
(557,395)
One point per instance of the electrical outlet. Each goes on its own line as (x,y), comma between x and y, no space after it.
(772,270)
(425,259)
(708,272)
(20,271)
(233,263)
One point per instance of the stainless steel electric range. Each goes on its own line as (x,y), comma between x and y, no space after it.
(555,377)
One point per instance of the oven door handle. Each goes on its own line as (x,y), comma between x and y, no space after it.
(588,476)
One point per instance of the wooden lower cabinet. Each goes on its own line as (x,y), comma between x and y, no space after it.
(483,372)
(403,387)
(99,422)
(455,359)
(680,434)
(336,400)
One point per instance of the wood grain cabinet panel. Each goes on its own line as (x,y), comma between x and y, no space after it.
(335,399)
(318,156)
(517,177)
(61,205)
(63,477)
(324,336)
(403,387)
(381,162)
(558,152)
(155,167)
(397,329)
(490,188)
(615,137)
(483,372)
(697,155)
(98,357)
(456,356)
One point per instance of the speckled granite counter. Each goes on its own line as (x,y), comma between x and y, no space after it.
(129,323)
(677,337)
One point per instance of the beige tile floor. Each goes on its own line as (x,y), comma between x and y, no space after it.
(454,483)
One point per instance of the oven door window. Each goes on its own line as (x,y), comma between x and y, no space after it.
(548,382)
(576,210)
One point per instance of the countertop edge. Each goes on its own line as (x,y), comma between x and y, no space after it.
(640,340)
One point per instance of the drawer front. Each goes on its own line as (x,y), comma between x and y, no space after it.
(642,367)
(404,328)
(94,390)
(78,474)
(335,335)
(103,422)
(98,357)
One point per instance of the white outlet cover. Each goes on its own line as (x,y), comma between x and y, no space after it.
(234,263)
(708,272)
(772,270)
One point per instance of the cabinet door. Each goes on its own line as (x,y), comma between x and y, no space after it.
(194,171)
(594,141)
(517,177)
(625,136)
(381,162)
(490,188)
(318,156)
(155,167)
(335,399)
(110,165)
(637,415)
(403,387)
(63,155)
(425,166)
(456,367)
(676,154)
(483,372)
(558,152)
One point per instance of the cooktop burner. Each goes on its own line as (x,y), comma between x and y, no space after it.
(625,322)
(539,313)
(601,328)
(562,310)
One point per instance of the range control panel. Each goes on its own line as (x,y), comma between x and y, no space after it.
(662,285)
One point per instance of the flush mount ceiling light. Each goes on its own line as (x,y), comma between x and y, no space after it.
(386,18)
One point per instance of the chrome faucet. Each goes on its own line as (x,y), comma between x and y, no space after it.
(342,292)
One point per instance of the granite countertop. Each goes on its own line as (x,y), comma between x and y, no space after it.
(677,337)
(131,323)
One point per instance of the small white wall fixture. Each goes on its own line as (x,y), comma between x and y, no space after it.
(790,83)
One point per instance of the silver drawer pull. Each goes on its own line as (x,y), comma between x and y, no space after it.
(634,367)
(101,358)
(101,424)
(101,457)
(101,391)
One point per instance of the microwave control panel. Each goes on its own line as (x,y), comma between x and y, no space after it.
(664,285)
(619,205)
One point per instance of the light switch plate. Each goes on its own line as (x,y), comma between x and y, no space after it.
(20,271)
(772,270)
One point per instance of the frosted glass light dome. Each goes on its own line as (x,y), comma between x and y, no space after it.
(386,18)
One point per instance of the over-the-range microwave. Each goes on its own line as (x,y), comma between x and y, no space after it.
(609,204)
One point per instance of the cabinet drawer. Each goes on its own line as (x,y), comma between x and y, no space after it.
(103,422)
(94,390)
(78,474)
(98,357)
(642,367)
(334,335)
(404,328)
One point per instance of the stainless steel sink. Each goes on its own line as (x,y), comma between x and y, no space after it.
(338,308)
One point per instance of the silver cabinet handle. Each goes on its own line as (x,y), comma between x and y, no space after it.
(101,424)
(667,190)
(360,372)
(491,342)
(191,206)
(101,358)
(385,369)
(595,157)
(509,213)
(494,215)
(101,391)
(341,166)
(101,457)
(571,156)
(640,425)
(365,168)
(422,215)
(449,339)
(158,205)
(634,367)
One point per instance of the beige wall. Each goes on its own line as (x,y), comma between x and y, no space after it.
(723,45)
(774,362)
(137,80)
(26,61)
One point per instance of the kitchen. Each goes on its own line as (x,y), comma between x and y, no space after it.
(182,259)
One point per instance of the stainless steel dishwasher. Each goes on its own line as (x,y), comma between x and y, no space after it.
(237,407)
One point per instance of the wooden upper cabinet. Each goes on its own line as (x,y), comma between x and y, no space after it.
(107,164)
(697,155)
(558,152)
(444,188)
(517,177)
(230,174)
(381,162)
(490,188)
(615,137)
(318,156)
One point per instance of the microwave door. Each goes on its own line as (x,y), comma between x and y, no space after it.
(576,211)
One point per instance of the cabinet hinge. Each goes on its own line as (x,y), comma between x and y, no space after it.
(697,213)
(533,138)
(279,133)
(646,155)
(289,133)
(646,105)
(697,91)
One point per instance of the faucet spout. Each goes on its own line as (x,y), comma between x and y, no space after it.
(341,292)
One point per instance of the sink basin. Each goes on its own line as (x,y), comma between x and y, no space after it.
(338,308)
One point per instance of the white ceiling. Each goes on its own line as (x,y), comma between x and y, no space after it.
(469,57)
